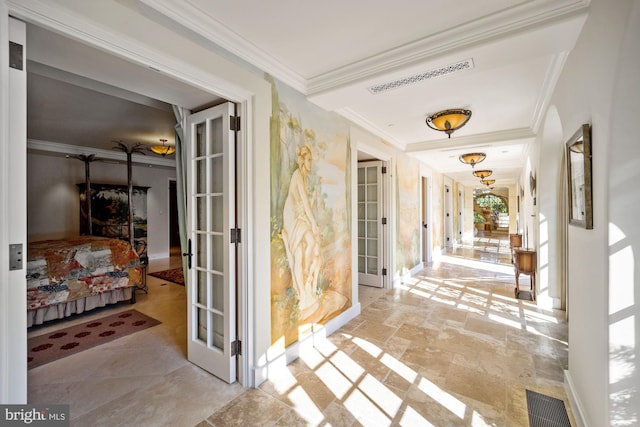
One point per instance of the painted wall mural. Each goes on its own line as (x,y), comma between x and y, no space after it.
(310,215)
(408,214)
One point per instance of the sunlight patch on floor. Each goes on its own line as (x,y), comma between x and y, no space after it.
(304,406)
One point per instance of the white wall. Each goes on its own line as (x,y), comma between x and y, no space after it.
(599,85)
(552,222)
(53,198)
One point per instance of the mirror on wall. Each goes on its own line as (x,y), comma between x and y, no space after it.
(578,153)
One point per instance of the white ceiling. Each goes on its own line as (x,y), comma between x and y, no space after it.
(333,51)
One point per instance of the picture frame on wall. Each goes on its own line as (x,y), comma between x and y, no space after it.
(579,158)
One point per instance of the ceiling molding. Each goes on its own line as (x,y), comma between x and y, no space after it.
(356,118)
(39,146)
(503,137)
(499,24)
(509,21)
(197,20)
(552,75)
(75,26)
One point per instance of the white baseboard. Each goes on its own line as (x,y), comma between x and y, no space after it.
(574,401)
(280,359)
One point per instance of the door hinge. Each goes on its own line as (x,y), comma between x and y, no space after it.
(384,221)
(234,123)
(384,271)
(236,348)
(235,235)
(384,169)
(16,56)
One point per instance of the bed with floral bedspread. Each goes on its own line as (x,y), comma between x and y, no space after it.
(65,277)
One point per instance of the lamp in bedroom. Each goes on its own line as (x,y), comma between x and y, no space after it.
(164,149)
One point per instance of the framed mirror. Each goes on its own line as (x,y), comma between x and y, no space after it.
(579,176)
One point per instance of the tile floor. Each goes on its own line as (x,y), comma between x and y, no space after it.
(449,347)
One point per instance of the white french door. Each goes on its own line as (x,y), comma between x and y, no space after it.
(370,224)
(211,213)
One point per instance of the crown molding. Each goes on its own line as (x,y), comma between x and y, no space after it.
(54,148)
(196,20)
(503,137)
(358,119)
(554,70)
(509,21)
(75,26)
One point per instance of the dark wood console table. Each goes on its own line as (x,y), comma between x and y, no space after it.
(525,262)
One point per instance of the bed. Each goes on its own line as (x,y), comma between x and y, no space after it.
(66,277)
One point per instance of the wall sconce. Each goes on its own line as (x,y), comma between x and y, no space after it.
(163,150)
(448,121)
(472,158)
(482,174)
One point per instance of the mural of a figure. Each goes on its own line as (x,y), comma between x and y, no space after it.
(301,235)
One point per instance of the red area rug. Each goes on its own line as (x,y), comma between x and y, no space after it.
(74,339)
(174,275)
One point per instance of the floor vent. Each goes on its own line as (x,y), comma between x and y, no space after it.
(467,64)
(546,411)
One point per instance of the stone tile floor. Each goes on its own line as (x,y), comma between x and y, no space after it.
(448,347)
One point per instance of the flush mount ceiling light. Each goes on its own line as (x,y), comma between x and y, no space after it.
(448,121)
(488,182)
(482,174)
(472,158)
(163,150)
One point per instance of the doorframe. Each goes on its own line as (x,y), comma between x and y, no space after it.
(426,231)
(447,192)
(387,193)
(73,26)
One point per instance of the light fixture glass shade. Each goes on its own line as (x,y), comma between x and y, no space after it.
(472,158)
(488,182)
(482,174)
(448,121)
(163,150)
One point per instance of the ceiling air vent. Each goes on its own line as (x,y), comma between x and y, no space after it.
(467,64)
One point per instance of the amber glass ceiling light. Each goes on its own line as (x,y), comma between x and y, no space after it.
(482,174)
(472,158)
(448,121)
(163,150)
(488,182)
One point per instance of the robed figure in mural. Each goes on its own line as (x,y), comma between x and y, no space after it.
(301,235)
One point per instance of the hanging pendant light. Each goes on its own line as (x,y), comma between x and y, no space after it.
(488,182)
(448,121)
(472,158)
(163,150)
(482,174)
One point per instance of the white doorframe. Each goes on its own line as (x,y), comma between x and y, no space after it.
(112,43)
(448,215)
(13,220)
(426,220)
(460,215)
(388,194)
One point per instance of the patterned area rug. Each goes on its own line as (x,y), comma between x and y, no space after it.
(174,275)
(74,339)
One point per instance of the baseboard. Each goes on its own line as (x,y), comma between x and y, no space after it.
(275,360)
(574,401)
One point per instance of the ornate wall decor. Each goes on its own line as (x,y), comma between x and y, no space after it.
(110,213)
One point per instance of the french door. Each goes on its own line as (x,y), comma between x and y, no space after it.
(211,213)
(370,224)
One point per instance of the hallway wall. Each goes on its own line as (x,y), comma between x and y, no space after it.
(599,85)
